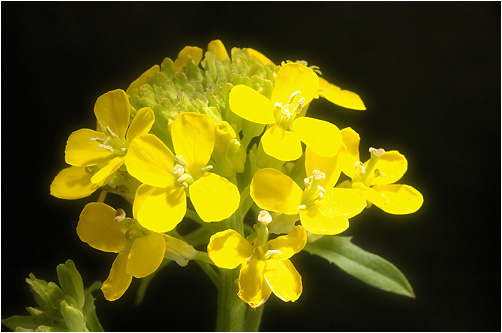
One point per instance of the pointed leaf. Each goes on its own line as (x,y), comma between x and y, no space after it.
(363,265)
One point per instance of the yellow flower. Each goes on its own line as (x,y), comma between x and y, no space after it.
(266,267)
(95,155)
(376,177)
(295,87)
(329,91)
(323,209)
(139,252)
(160,203)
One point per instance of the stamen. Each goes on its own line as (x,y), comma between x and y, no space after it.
(318,175)
(270,252)
(379,173)
(264,217)
(302,207)
(278,105)
(97,139)
(110,132)
(120,215)
(179,159)
(178,170)
(377,152)
(184,177)
(293,95)
(250,257)
(207,168)
(306,182)
(299,107)
(360,166)
(107,147)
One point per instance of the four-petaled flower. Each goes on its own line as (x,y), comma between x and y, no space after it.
(376,177)
(295,87)
(94,156)
(323,209)
(265,268)
(166,176)
(140,252)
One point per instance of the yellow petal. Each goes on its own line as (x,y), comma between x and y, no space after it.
(82,150)
(394,199)
(294,77)
(141,124)
(146,255)
(289,244)
(281,144)
(258,56)
(272,190)
(317,223)
(322,137)
(142,79)
(150,161)
(283,279)
(72,183)
(391,167)
(102,177)
(341,202)
(217,47)
(249,104)
(179,251)
(351,141)
(160,209)
(186,53)
(214,197)
(193,138)
(253,288)
(112,110)
(98,228)
(338,96)
(330,166)
(228,249)
(118,281)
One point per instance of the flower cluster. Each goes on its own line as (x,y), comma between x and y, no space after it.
(209,139)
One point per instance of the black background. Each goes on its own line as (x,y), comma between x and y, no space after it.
(429,74)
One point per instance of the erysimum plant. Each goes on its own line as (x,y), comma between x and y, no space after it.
(217,140)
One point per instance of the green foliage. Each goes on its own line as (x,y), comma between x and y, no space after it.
(66,308)
(363,265)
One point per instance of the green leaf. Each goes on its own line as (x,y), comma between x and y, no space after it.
(71,282)
(24,322)
(363,265)
(89,310)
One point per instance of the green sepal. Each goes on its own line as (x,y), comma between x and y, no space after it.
(363,265)
(73,317)
(71,282)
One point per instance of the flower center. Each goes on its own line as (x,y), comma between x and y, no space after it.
(113,142)
(362,172)
(286,114)
(313,191)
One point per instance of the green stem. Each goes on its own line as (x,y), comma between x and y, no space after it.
(231,309)
(253,319)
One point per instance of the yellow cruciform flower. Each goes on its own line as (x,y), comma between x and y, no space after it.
(329,91)
(140,252)
(88,149)
(295,87)
(376,177)
(265,268)
(323,209)
(160,203)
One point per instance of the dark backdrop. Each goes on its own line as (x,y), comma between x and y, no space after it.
(429,74)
